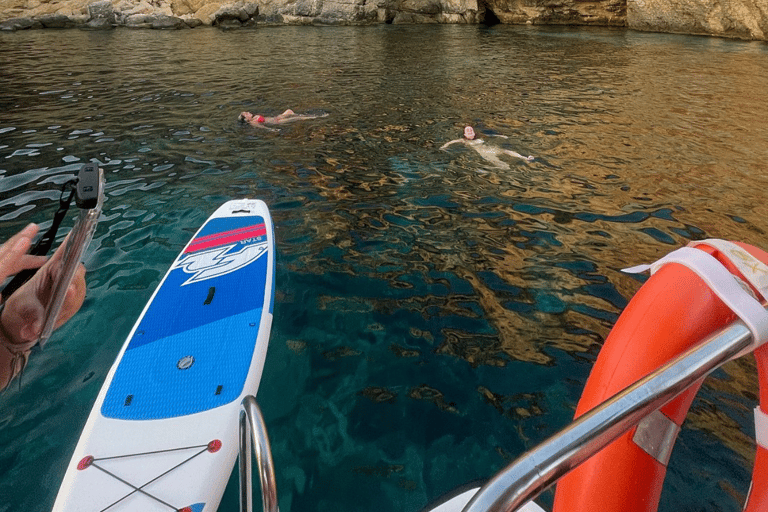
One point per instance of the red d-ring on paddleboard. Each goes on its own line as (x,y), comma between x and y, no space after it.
(214,446)
(85,462)
(669,314)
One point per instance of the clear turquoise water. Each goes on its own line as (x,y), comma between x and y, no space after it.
(435,316)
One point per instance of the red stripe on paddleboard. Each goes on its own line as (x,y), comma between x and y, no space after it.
(226,233)
(226,237)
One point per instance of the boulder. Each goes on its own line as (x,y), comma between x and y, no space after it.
(15,24)
(101,10)
(165,22)
(56,21)
(240,11)
(343,12)
(308,8)
(228,24)
(207,11)
(136,21)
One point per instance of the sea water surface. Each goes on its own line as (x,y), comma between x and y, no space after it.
(435,316)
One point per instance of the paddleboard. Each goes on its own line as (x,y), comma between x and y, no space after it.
(163,433)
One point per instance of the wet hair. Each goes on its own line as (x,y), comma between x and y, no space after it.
(241,119)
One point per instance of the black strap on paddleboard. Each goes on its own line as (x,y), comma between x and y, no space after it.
(44,244)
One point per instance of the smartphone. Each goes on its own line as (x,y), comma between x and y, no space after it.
(89,197)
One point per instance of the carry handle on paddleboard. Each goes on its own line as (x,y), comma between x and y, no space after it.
(88,192)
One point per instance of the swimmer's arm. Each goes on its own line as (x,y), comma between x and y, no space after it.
(518,155)
(451,142)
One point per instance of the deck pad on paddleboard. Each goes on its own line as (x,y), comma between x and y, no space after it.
(162,434)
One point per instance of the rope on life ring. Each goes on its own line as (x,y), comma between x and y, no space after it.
(691,293)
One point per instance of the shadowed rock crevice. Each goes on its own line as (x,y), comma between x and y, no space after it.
(486,15)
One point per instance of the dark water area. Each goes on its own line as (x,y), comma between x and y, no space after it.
(436,315)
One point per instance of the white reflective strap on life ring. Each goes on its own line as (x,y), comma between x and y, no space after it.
(761,428)
(753,270)
(724,284)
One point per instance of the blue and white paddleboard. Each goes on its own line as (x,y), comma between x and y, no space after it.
(163,433)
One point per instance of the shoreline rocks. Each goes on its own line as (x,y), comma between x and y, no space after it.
(738,19)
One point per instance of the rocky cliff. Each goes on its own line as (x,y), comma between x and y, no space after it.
(744,19)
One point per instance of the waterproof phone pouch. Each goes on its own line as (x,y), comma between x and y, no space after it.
(89,199)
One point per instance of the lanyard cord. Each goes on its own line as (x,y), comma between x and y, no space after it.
(44,244)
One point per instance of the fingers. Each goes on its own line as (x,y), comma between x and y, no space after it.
(29,261)
(13,252)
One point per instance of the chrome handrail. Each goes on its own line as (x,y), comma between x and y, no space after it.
(537,469)
(253,433)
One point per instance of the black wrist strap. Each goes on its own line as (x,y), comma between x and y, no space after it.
(44,244)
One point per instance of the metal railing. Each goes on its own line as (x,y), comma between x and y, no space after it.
(537,469)
(253,437)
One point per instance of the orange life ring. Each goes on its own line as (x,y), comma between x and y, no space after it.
(671,312)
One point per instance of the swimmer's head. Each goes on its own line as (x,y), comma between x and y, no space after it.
(469,133)
(247,117)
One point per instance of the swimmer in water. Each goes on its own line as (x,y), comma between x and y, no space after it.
(286,117)
(487,151)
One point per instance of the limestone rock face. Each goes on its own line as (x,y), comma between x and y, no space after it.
(559,12)
(743,19)
(324,12)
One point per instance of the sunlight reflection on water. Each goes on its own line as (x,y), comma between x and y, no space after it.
(435,316)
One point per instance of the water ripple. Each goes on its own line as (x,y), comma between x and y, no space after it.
(436,314)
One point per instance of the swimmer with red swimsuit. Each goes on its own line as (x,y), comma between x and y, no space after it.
(286,117)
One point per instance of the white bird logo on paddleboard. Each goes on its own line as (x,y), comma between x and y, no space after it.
(217,262)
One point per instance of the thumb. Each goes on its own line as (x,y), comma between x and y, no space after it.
(31,324)
(23,315)
(30,332)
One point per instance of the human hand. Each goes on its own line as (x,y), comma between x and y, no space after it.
(23,315)
(13,253)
